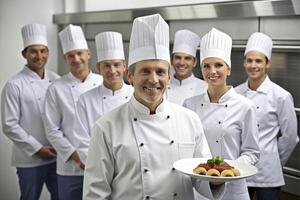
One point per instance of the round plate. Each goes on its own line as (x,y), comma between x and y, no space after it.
(187,165)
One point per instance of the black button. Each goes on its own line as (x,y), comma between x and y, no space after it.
(226,106)
(174,194)
(126,97)
(142,144)
(50,81)
(173,169)
(219,122)
(168,117)
(257,125)
(104,97)
(135,119)
(145,170)
(73,86)
(94,84)
(147,197)
(172,141)
(257,107)
(217,141)
(201,104)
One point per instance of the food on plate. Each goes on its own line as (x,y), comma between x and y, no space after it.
(216,166)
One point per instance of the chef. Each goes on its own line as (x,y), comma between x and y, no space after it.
(111,94)
(133,147)
(60,106)
(277,121)
(228,118)
(22,105)
(183,83)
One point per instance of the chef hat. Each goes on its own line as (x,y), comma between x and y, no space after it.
(72,38)
(216,44)
(149,39)
(186,42)
(260,42)
(109,46)
(34,34)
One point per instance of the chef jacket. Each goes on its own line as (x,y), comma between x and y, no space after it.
(22,105)
(277,125)
(92,105)
(230,127)
(179,90)
(131,153)
(59,116)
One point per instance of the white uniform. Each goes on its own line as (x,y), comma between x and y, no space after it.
(179,90)
(92,105)
(21,108)
(132,153)
(230,127)
(275,113)
(59,116)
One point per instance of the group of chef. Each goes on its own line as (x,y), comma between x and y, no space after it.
(90,136)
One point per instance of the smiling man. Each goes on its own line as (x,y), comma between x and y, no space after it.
(183,83)
(277,121)
(111,94)
(60,106)
(22,108)
(133,147)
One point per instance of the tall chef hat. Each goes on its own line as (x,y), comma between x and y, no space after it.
(72,38)
(260,42)
(149,39)
(186,42)
(34,34)
(216,44)
(109,46)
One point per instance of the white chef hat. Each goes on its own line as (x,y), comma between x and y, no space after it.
(260,42)
(34,34)
(109,46)
(216,44)
(149,39)
(186,41)
(72,38)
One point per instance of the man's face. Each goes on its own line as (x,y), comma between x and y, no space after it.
(183,65)
(256,65)
(150,80)
(112,72)
(36,56)
(78,59)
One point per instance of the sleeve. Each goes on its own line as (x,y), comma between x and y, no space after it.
(81,126)
(10,114)
(99,167)
(250,151)
(202,150)
(288,129)
(52,120)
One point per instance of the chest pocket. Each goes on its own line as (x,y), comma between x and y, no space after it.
(186,150)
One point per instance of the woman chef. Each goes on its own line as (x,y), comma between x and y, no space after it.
(229,120)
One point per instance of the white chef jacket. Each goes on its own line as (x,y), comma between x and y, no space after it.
(275,113)
(179,90)
(131,153)
(92,105)
(59,117)
(22,105)
(230,127)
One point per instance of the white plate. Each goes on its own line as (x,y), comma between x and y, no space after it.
(187,165)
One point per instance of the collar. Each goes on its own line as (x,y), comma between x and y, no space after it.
(142,109)
(226,97)
(75,80)
(263,88)
(108,92)
(185,81)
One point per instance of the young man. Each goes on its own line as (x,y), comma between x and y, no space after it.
(183,83)
(111,94)
(133,147)
(60,106)
(22,108)
(277,122)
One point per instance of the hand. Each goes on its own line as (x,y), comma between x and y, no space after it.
(47,152)
(76,158)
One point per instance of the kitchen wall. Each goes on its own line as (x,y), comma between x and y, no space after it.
(13,15)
